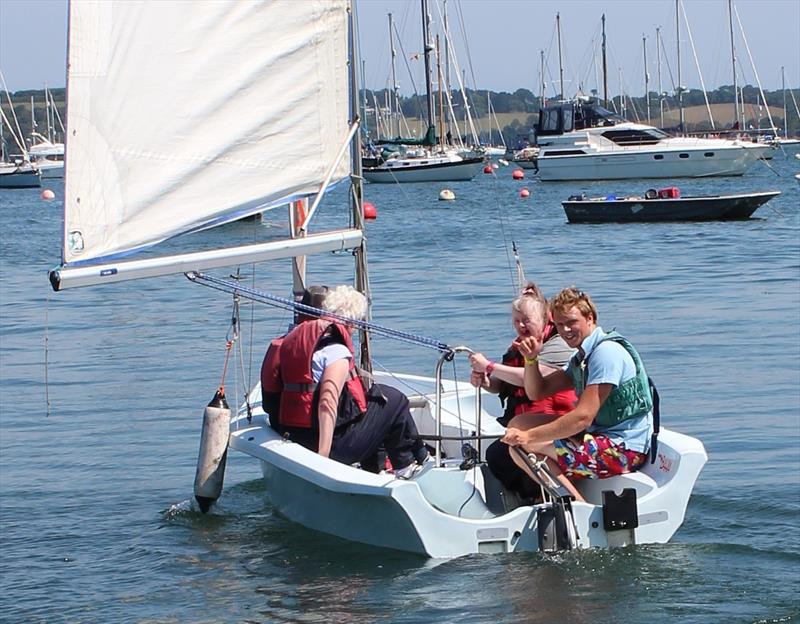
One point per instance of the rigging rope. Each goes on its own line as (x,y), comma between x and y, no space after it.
(288,304)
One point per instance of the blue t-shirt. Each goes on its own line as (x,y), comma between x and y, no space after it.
(611,364)
(326,356)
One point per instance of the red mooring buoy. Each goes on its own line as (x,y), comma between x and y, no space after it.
(487,169)
(518,174)
(524,193)
(370,212)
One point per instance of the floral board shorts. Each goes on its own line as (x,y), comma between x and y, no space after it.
(596,457)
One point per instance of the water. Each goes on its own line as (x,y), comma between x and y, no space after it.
(98,447)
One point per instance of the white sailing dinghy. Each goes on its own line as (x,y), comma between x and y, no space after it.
(188,152)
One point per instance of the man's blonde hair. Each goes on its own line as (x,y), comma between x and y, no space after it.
(573,297)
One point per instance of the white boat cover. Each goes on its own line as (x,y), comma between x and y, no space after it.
(183,115)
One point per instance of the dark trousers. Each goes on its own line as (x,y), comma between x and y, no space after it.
(507,472)
(387,424)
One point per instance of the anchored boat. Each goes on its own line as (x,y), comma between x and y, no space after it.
(664,205)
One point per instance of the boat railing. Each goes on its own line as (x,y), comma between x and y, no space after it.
(447,356)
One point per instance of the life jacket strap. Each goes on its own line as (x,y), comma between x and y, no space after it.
(296,387)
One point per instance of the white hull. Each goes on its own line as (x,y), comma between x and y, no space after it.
(409,171)
(635,162)
(444,511)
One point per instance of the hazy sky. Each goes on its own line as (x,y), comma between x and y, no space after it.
(504,38)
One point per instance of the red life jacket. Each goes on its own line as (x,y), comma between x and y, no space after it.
(299,395)
(515,399)
(271,383)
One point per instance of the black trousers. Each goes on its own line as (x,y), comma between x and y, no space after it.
(387,424)
(507,472)
(386,427)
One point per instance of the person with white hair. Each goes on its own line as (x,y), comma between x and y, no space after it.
(326,406)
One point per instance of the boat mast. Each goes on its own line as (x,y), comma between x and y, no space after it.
(428,49)
(542,97)
(441,94)
(605,65)
(733,65)
(646,77)
(447,66)
(395,109)
(658,66)
(560,64)
(679,88)
(785,121)
(356,196)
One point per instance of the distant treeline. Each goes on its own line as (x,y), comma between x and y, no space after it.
(517,112)
(525,106)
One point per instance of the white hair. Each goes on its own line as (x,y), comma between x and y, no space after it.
(346,301)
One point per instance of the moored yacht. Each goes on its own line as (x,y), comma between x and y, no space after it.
(48,156)
(580,140)
(19,175)
(424,165)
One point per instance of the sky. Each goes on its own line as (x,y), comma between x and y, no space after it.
(504,40)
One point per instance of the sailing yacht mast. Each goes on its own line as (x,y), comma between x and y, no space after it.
(605,66)
(428,49)
(395,109)
(658,66)
(357,196)
(560,63)
(679,88)
(733,66)
(646,77)
(785,120)
(447,67)
(542,98)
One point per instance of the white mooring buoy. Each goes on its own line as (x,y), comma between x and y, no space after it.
(213,451)
(447,195)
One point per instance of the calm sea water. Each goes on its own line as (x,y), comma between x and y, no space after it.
(102,392)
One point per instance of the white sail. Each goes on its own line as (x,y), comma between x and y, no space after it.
(183,115)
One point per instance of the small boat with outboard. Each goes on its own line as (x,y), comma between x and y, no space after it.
(665,204)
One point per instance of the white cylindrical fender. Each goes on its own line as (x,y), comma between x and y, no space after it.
(213,451)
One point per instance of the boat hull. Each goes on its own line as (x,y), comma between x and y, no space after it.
(26,179)
(627,163)
(459,171)
(638,209)
(445,511)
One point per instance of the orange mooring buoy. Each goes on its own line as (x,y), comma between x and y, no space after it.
(370,212)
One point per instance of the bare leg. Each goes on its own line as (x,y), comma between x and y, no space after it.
(549,451)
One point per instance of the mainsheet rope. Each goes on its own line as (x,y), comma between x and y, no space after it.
(288,304)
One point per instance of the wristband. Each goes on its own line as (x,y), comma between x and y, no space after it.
(490,368)
(532,360)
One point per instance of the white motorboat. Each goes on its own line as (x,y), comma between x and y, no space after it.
(48,157)
(580,140)
(152,190)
